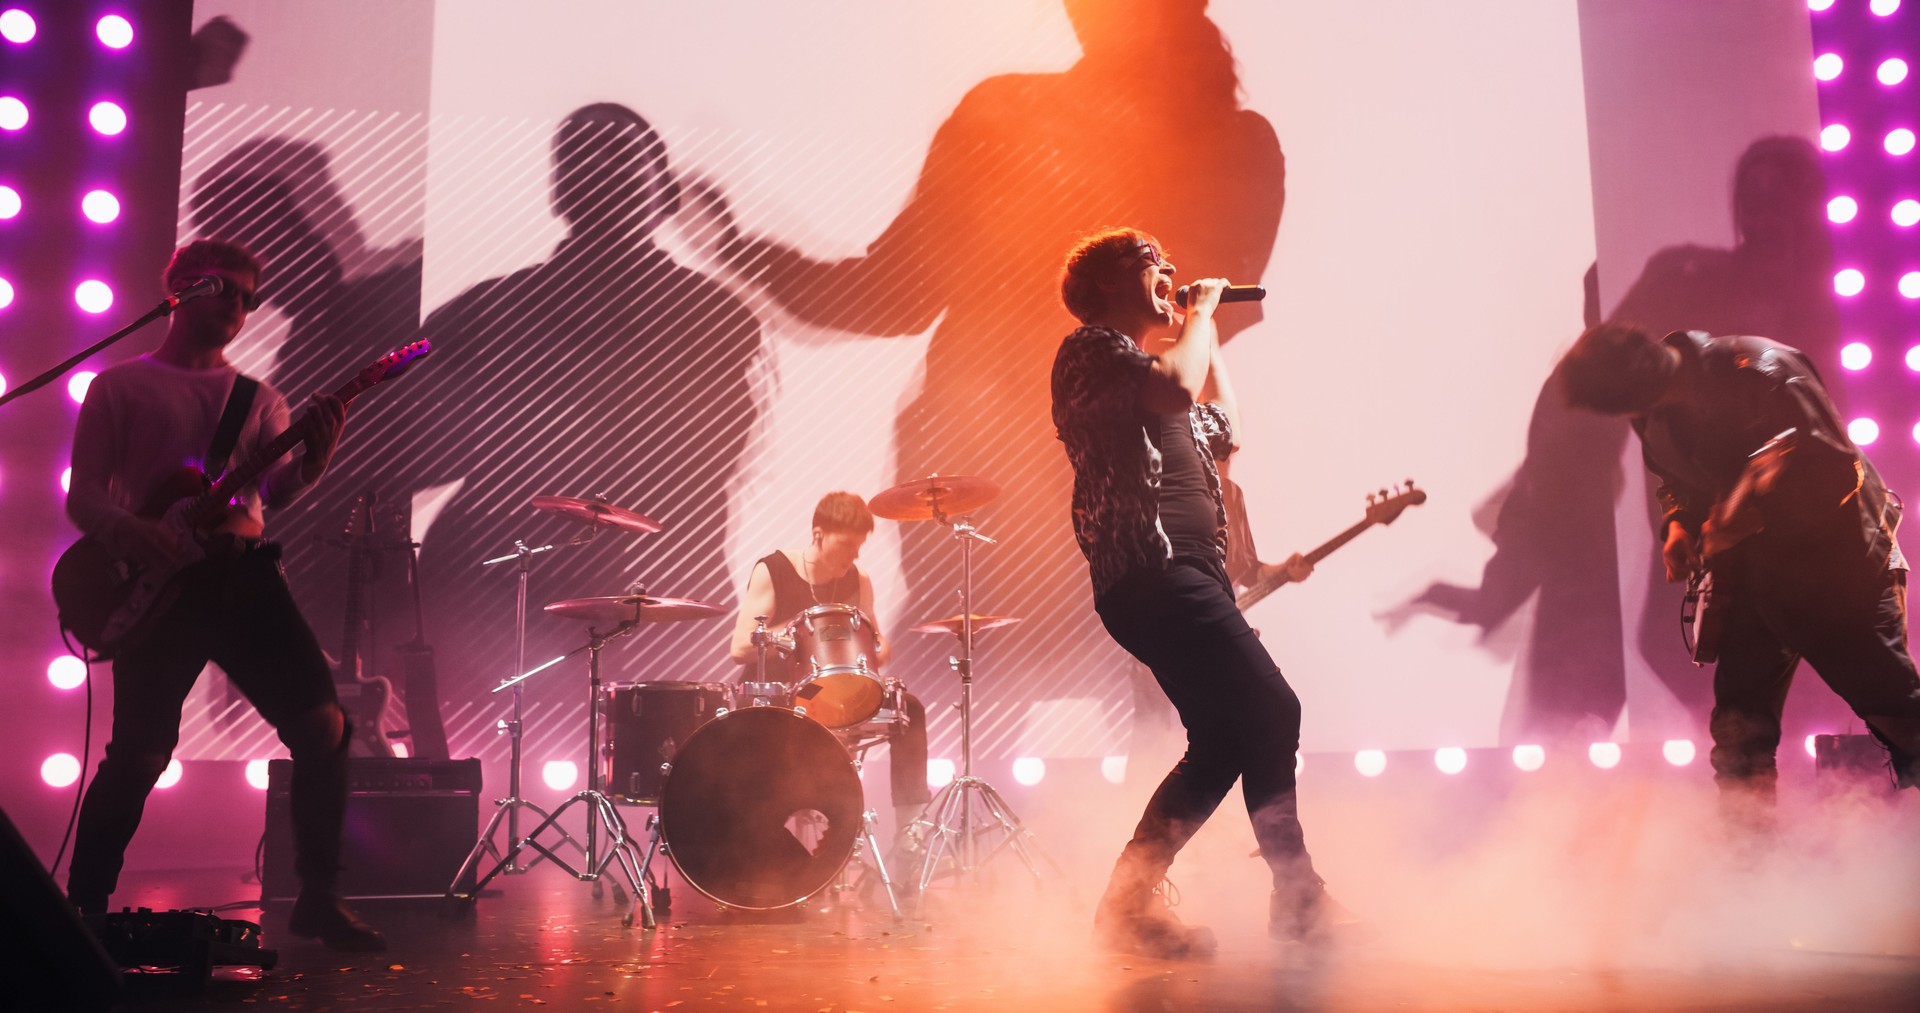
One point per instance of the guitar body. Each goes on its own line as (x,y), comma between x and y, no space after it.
(109,603)
(365,698)
(1704,612)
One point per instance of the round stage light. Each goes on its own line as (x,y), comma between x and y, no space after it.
(1113,769)
(93,296)
(1834,137)
(66,479)
(114,32)
(17,26)
(170,776)
(257,774)
(1450,759)
(1819,5)
(1028,770)
(1529,758)
(1678,752)
(100,206)
(1916,432)
(1856,355)
(9,202)
(1810,750)
(1892,71)
(1849,282)
(1605,755)
(78,383)
(1842,209)
(13,113)
(1913,358)
(939,773)
(1906,213)
(1863,431)
(1884,7)
(107,117)
(1910,284)
(60,769)
(560,774)
(1827,66)
(1299,763)
(67,672)
(1370,762)
(1899,141)
(6,293)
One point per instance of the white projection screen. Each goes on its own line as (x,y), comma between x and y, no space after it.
(1448,176)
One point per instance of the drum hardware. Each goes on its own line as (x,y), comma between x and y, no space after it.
(836,650)
(950,825)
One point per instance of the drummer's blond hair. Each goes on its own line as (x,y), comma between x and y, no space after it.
(843,512)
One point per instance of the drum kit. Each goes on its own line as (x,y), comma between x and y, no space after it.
(756,787)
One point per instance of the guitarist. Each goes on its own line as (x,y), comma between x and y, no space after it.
(1763,487)
(142,419)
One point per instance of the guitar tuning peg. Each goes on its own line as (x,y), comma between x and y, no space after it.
(1383,494)
(1369,499)
(1409,485)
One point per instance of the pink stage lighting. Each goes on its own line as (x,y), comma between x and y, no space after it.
(78,383)
(1849,282)
(1841,210)
(1884,7)
(13,113)
(17,26)
(560,774)
(1910,284)
(1916,432)
(1529,758)
(114,32)
(1450,759)
(1899,141)
(1605,755)
(1819,5)
(1863,431)
(1678,752)
(1029,770)
(1856,355)
(67,672)
(100,206)
(1892,71)
(9,202)
(1834,137)
(1370,762)
(1913,358)
(257,774)
(1906,213)
(60,770)
(1827,66)
(66,479)
(1810,749)
(940,773)
(93,296)
(6,293)
(170,776)
(107,117)
(1113,769)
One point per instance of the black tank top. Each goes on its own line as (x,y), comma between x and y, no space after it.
(792,595)
(1187,511)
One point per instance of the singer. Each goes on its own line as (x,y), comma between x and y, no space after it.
(1148,514)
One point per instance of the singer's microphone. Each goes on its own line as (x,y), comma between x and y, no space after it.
(1232,293)
(211,285)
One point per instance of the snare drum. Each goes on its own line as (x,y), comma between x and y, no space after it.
(646,723)
(836,666)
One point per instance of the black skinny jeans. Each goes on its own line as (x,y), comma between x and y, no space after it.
(237,613)
(1241,717)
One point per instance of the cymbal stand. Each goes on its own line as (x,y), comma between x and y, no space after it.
(602,815)
(950,825)
(509,808)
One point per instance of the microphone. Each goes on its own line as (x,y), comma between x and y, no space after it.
(209,285)
(1232,293)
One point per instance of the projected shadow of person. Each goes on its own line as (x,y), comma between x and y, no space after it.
(1146,129)
(1555,531)
(606,371)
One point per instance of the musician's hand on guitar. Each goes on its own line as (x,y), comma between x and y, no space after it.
(326,417)
(1679,554)
(1729,525)
(1297,568)
(150,543)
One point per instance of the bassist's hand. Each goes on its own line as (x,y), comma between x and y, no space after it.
(150,543)
(1679,554)
(325,418)
(1293,571)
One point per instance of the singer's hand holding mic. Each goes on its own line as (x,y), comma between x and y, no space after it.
(1227,293)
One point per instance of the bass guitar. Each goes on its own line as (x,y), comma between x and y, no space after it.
(1383,507)
(110,603)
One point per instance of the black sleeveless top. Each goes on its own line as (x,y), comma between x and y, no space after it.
(792,595)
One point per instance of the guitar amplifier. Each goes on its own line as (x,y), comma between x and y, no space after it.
(409,825)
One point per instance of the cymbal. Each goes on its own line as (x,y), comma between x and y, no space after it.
(951,624)
(923,498)
(596,511)
(641,608)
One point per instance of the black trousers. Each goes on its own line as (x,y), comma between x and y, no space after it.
(235,611)
(1242,719)
(1851,627)
(907,756)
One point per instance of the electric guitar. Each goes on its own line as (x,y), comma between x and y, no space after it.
(366,699)
(1382,508)
(1703,610)
(110,603)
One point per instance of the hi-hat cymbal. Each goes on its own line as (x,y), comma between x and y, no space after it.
(596,511)
(951,624)
(936,495)
(639,608)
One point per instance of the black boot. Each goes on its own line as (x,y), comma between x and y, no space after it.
(318,914)
(1139,919)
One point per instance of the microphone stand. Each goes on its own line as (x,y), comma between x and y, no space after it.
(166,306)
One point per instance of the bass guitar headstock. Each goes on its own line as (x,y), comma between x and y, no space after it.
(1386,506)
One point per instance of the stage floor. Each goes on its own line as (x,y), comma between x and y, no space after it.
(543,939)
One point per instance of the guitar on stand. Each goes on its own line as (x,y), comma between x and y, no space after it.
(1382,508)
(367,699)
(413,660)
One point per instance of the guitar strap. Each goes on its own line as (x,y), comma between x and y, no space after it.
(227,432)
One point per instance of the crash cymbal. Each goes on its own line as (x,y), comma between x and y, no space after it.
(924,498)
(641,608)
(951,624)
(596,511)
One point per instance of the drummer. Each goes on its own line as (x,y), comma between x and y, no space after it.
(787,582)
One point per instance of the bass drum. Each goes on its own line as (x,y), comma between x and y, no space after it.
(761,808)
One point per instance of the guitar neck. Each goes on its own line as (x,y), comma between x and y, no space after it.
(249,471)
(1253,595)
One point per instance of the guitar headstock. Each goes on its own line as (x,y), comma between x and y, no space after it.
(1386,506)
(387,367)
